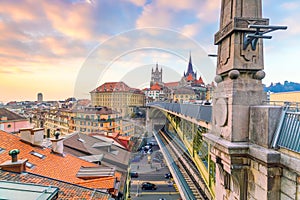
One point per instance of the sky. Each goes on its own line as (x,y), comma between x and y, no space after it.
(65,48)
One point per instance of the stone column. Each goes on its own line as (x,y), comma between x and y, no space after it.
(238,75)
(239,69)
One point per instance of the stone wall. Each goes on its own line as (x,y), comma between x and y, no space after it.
(263,182)
(290,185)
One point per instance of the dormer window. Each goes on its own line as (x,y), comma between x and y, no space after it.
(41,156)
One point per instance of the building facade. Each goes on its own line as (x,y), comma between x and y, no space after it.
(12,122)
(118,96)
(97,120)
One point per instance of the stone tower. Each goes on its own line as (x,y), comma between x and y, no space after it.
(156,76)
(239,74)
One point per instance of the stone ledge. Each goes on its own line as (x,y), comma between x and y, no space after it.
(290,162)
(225,145)
(265,155)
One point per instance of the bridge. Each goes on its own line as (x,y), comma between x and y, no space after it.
(180,135)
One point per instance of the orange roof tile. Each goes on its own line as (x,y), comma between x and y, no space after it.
(171,84)
(200,81)
(125,138)
(116,87)
(155,87)
(189,77)
(52,165)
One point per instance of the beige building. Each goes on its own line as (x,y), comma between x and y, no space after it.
(183,94)
(118,96)
(286,96)
(61,119)
(97,120)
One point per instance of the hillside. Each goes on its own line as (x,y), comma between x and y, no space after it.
(286,87)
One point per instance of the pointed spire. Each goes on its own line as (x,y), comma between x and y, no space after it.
(156,67)
(190,66)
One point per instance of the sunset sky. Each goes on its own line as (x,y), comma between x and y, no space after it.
(66,48)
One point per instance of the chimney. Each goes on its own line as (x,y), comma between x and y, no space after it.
(14,165)
(57,144)
(33,136)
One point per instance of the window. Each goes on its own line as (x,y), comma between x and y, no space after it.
(2,150)
(9,126)
(41,156)
(29,165)
(81,140)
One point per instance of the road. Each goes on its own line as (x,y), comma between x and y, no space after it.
(154,173)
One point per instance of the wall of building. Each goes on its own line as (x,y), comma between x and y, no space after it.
(14,126)
(285,96)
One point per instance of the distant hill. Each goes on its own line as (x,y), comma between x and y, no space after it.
(286,87)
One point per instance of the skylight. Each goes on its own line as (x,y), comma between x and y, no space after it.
(81,140)
(41,156)
(29,165)
(2,150)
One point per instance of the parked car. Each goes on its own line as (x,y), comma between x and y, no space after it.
(168,175)
(148,186)
(150,151)
(147,147)
(134,174)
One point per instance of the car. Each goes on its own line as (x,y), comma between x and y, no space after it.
(148,186)
(134,174)
(168,175)
(150,151)
(147,147)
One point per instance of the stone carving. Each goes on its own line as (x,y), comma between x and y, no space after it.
(234,74)
(222,112)
(259,75)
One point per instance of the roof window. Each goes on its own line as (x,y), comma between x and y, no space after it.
(41,156)
(29,165)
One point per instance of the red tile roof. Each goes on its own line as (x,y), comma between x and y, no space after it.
(10,115)
(200,81)
(172,84)
(66,190)
(189,77)
(116,87)
(52,165)
(155,87)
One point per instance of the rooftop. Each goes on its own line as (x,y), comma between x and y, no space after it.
(115,87)
(36,182)
(10,115)
(45,163)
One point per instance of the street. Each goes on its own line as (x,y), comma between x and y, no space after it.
(151,168)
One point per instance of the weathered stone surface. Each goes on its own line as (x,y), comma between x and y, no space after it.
(260,179)
(285,197)
(288,187)
(263,123)
(289,175)
(264,154)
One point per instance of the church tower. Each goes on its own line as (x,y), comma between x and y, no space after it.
(156,76)
(190,70)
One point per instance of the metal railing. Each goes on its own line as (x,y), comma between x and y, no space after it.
(287,134)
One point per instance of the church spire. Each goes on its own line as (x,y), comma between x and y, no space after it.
(190,68)
(156,67)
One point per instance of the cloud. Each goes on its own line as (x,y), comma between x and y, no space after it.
(191,30)
(137,2)
(290,5)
